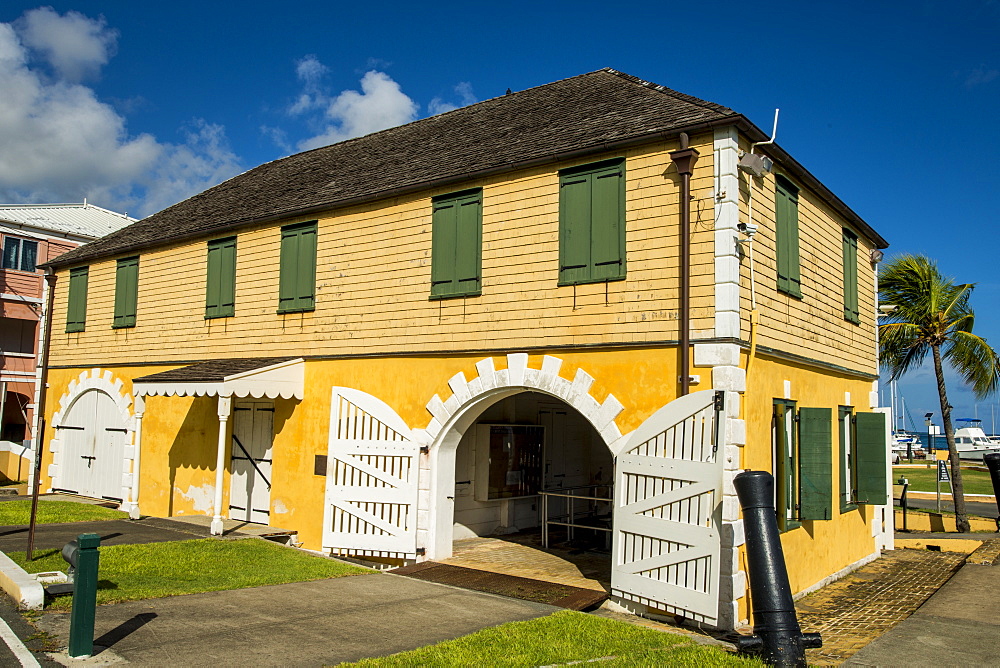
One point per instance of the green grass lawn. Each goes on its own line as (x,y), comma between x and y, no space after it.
(153,570)
(922,480)
(53,512)
(562,638)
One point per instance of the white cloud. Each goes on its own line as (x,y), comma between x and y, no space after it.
(465,96)
(74,45)
(381,104)
(310,72)
(979,76)
(205,158)
(61,143)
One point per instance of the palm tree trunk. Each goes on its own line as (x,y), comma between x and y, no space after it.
(957,488)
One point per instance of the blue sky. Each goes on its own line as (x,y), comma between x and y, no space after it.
(137,105)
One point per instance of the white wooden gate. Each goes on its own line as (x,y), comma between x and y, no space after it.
(250,483)
(371,479)
(93,447)
(667,511)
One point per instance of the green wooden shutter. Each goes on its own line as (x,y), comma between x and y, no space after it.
(787,220)
(607,237)
(468,246)
(76,309)
(456,244)
(870,433)
(297,274)
(286,275)
(850,246)
(126,292)
(574,229)
(306,266)
(444,240)
(815,463)
(220,288)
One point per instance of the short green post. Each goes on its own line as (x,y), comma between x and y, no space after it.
(81,620)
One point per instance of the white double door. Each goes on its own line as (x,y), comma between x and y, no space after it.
(93,437)
(250,482)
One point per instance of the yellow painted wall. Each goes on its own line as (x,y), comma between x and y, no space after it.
(179,441)
(817,548)
(813,326)
(373,279)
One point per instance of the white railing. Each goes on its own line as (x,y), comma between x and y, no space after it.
(585,507)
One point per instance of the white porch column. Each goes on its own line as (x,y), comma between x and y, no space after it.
(139,409)
(225,408)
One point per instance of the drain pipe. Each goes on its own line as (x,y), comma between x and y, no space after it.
(43,379)
(684,160)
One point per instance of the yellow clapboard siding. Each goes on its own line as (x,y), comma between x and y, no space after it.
(373,279)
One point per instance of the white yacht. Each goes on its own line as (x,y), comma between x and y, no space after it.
(971,441)
(903,444)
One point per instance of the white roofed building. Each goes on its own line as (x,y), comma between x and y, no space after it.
(31,234)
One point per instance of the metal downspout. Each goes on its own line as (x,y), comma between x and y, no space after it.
(50,286)
(684,160)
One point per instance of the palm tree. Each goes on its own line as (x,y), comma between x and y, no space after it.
(933,315)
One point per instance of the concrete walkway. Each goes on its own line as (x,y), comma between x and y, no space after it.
(302,624)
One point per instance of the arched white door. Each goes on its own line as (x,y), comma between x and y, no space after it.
(93,439)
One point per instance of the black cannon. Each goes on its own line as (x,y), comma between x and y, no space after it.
(776,637)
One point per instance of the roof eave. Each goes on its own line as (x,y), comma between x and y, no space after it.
(404,190)
(740,121)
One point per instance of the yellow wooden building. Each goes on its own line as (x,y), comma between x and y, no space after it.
(595,288)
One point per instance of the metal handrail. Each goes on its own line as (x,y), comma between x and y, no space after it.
(571,515)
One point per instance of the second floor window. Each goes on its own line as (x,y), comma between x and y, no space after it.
(76,303)
(456,243)
(220,288)
(126,292)
(297,277)
(786,214)
(20,254)
(850,243)
(592,223)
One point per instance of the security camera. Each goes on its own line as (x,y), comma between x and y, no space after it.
(748,229)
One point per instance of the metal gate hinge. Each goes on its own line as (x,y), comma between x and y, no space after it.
(720,400)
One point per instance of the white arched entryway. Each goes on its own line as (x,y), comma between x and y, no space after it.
(454,416)
(668,497)
(91,440)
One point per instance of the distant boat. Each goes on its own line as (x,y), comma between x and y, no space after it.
(972,442)
(904,444)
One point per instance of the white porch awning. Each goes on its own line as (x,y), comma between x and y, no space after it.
(257,377)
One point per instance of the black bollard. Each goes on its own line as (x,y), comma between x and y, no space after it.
(777,637)
(992,461)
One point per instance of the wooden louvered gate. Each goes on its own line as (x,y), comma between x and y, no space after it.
(667,511)
(371,480)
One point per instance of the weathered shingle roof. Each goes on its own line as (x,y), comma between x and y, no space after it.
(212,370)
(584,114)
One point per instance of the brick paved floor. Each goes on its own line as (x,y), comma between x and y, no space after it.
(855,610)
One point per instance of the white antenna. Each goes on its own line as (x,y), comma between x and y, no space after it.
(774,133)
